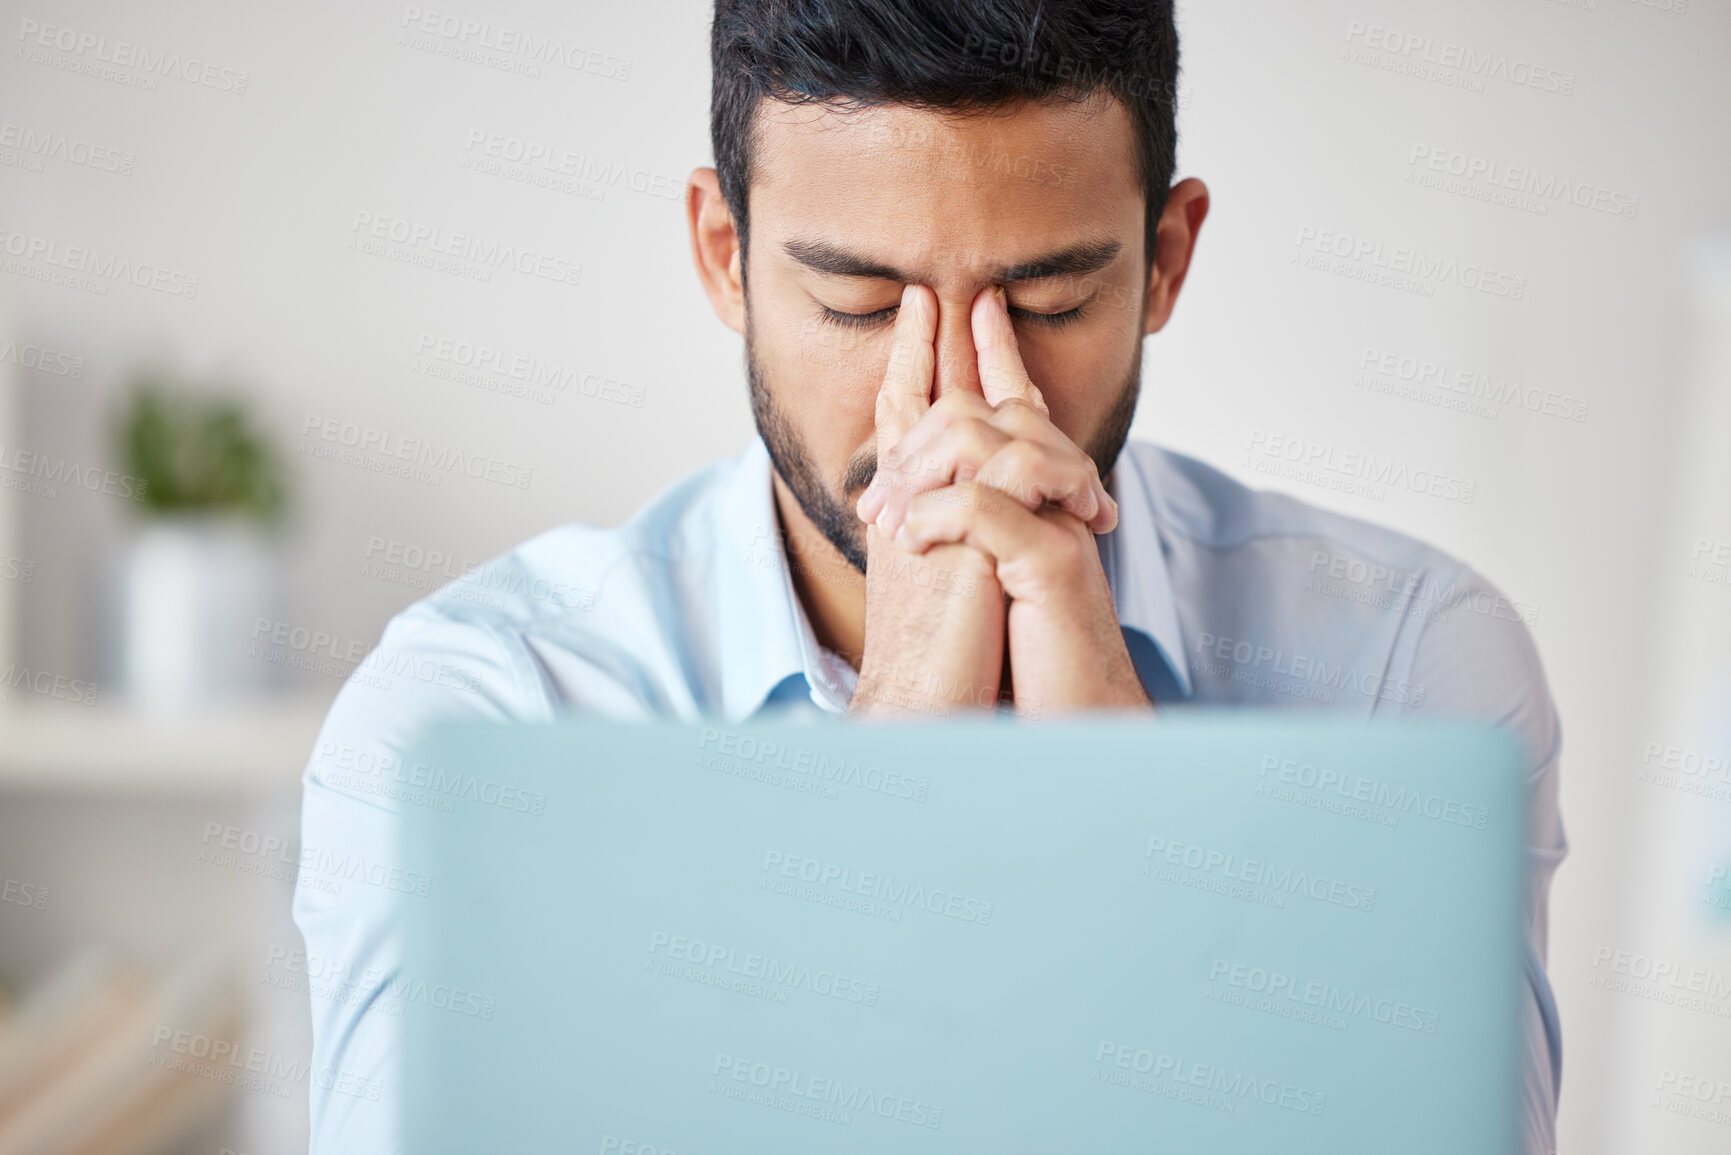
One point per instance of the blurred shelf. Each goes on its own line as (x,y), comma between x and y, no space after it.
(253,747)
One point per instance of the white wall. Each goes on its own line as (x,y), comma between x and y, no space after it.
(1300,139)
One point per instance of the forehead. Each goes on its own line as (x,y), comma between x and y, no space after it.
(947,192)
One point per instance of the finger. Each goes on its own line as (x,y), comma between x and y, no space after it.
(1003,377)
(955,453)
(1018,541)
(908,463)
(1035,475)
(906,393)
(956,407)
(1024,423)
(1002,374)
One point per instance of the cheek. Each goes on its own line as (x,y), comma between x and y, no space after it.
(1080,375)
(826,379)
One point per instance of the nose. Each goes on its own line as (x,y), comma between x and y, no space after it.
(958,367)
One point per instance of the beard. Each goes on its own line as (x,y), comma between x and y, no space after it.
(830,509)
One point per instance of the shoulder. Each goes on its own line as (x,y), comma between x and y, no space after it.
(1343,584)
(585,572)
(1197,504)
(577,616)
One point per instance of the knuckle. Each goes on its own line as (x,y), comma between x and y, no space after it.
(975,439)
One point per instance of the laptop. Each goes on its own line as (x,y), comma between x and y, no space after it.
(1220,933)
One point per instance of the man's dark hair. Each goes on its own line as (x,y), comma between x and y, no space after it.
(951,55)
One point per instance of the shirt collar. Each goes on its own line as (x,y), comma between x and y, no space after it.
(1134,559)
(766,637)
(765,634)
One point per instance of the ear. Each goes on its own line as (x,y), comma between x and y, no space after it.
(1186,206)
(715,247)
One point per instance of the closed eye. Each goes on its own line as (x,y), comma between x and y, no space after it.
(857,320)
(1048,320)
(874,319)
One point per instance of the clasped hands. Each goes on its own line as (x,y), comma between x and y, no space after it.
(984,486)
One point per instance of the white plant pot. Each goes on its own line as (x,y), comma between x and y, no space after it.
(192,591)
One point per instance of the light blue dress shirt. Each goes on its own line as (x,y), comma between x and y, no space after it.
(1226,596)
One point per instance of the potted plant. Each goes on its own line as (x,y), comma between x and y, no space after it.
(199,568)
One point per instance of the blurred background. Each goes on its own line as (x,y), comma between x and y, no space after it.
(227,303)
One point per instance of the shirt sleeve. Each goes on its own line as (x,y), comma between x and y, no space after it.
(355,787)
(1475,658)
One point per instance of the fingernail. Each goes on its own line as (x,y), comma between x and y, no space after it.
(869,503)
(1003,297)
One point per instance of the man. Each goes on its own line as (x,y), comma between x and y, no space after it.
(943,229)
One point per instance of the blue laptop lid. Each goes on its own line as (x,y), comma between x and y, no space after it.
(1227,933)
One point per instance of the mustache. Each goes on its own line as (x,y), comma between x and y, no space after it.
(860,471)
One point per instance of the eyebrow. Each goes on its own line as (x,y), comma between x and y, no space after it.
(1072,261)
